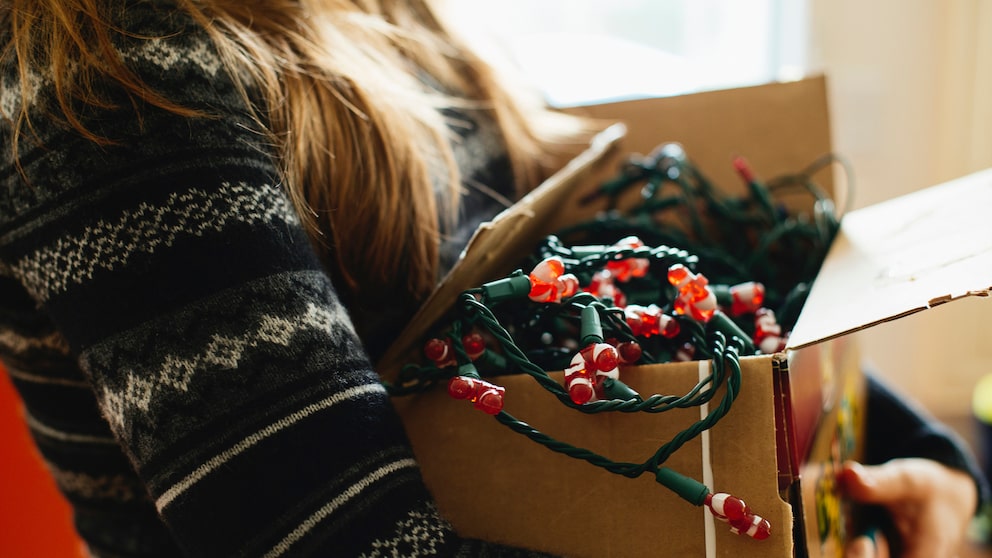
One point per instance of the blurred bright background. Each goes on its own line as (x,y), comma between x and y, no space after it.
(910,92)
(910,85)
(586,50)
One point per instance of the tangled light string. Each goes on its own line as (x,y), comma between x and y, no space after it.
(618,293)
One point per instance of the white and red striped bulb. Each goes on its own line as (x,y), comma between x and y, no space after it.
(734,511)
(589,367)
(550,283)
(695,299)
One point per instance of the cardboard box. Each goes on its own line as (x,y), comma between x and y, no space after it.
(890,260)
(797,414)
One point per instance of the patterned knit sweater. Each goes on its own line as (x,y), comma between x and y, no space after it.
(189,373)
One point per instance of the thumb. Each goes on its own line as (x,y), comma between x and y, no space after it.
(878,484)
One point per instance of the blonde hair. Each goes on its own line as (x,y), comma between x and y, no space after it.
(357,132)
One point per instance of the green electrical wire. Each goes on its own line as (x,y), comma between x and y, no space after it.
(734,239)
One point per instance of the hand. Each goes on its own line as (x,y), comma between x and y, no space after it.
(930,504)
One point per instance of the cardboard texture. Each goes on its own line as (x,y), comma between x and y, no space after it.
(889,260)
(903,256)
(495,485)
(780,128)
(828,427)
(798,414)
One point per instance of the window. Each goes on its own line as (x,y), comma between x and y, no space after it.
(587,50)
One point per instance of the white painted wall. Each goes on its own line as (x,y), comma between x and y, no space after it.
(910,86)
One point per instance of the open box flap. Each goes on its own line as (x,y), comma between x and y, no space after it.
(902,256)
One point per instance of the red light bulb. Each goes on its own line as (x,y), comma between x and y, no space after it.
(543,278)
(474,344)
(734,511)
(743,168)
(608,358)
(726,507)
(695,299)
(440,351)
(581,392)
(485,396)
(754,526)
(550,283)
(461,387)
(624,270)
(490,401)
(645,321)
(768,336)
(746,298)
(629,352)
(578,380)
(589,367)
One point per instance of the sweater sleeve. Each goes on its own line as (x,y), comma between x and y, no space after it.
(174,267)
(897,427)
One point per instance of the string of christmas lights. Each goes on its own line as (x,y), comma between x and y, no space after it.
(616,291)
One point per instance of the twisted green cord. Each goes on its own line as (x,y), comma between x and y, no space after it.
(727,357)
(735,220)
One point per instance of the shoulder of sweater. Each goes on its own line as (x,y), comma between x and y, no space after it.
(177,60)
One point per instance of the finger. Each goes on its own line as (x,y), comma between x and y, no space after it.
(881,545)
(860,547)
(883,484)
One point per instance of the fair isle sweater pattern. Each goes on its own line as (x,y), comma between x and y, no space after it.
(192,379)
(189,373)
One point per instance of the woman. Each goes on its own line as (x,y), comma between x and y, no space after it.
(194,158)
(214,217)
